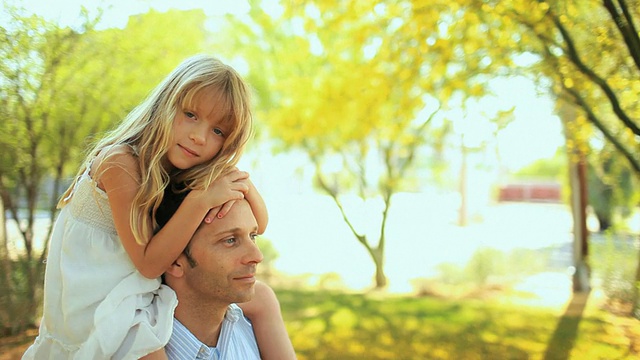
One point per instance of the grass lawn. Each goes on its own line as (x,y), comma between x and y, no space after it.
(330,325)
(340,326)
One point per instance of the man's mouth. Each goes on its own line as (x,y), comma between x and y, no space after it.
(247,278)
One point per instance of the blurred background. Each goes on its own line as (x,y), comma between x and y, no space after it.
(445,179)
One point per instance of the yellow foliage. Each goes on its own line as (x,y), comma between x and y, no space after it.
(476,90)
(356,67)
(568,83)
(543,6)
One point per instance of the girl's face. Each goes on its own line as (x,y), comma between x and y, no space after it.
(198,132)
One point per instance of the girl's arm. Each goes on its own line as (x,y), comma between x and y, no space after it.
(118,176)
(258,207)
(264,312)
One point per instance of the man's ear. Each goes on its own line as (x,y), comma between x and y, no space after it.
(176,269)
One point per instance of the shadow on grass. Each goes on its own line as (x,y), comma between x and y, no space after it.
(564,336)
(325,325)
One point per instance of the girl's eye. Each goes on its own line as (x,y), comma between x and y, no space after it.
(218,132)
(190,115)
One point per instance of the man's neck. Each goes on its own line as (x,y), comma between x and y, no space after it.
(203,321)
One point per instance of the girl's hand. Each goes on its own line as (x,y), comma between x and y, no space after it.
(254,198)
(227,188)
(250,193)
(219,211)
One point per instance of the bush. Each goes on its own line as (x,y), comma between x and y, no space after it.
(486,263)
(487,267)
(18,302)
(613,261)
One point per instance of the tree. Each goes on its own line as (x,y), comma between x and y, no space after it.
(590,50)
(355,85)
(40,59)
(60,86)
(611,187)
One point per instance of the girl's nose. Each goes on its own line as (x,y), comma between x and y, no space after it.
(197,136)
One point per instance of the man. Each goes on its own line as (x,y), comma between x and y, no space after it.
(215,271)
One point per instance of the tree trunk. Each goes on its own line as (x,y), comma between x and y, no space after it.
(6,300)
(578,199)
(381,278)
(635,311)
(577,174)
(462,211)
(604,221)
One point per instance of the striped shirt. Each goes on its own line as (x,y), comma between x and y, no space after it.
(236,342)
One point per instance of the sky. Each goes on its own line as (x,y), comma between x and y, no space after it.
(536,132)
(116,12)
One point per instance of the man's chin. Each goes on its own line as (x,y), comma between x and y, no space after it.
(245,296)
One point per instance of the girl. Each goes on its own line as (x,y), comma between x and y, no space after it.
(102,297)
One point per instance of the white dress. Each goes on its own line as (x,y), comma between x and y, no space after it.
(96,304)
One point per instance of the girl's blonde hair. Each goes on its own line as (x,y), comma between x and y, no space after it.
(148,130)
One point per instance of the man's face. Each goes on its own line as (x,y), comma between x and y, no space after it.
(226,255)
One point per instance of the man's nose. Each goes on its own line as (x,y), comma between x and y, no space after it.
(253,255)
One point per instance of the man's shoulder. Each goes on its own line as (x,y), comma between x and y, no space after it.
(237,339)
(182,344)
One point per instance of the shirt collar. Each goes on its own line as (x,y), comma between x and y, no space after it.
(185,345)
(190,345)
(234,313)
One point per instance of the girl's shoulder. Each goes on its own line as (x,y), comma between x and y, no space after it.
(118,149)
(116,153)
(122,156)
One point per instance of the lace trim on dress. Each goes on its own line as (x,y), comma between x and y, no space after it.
(97,213)
(91,206)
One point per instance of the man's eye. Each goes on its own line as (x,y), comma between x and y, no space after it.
(230,241)
(254,237)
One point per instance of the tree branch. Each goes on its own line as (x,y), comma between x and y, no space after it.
(607,134)
(595,120)
(573,55)
(334,195)
(626,27)
(418,134)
